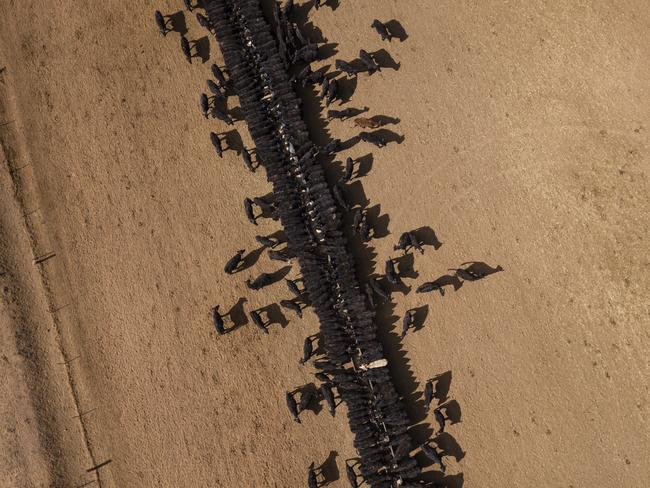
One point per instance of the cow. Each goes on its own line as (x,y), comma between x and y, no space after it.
(381,29)
(218,320)
(233,262)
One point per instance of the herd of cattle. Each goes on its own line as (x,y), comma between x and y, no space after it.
(259,56)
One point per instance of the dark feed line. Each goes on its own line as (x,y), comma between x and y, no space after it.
(355,335)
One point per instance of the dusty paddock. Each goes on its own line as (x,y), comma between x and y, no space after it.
(526,145)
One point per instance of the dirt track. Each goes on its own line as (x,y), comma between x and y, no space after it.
(526,146)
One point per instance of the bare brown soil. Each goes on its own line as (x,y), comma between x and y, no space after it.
(525,145)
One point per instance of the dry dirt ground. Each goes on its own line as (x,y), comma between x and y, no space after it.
(525,145)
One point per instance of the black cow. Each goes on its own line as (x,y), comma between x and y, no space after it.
(204,21)
(215,90)
(247,160)
(267,241)
(233,262)
(293,288)
(407,322)
(368,61)
(161,22)
(430,286)
(432,454)
(440,419)
(218,320)
(216,142)
(293,407)
(293,306)
(219,114)
(381,29)
(351,475)
(428,395)
(391,273)
(218,74)
(204,103)
(328,395)
(349,169)
(187,49)
(264,279)
(374,139)
(312,480)
(332,92)
(307,350)
(248,208)
(346,67)
(258,321)
(342,114)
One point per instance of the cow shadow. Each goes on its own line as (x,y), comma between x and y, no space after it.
(337,166)
(437,479)
(406,266)
(449,280)
(327,50)
(322,72)
(177,21)
(274,315)
(382,120)
(449,446)
(237,314)
(347,144)
(250,259)
(279,236)
(387,135)
(311,32)
(356,195)
(443,384)
(427,237)
(347,87)
(378,222)
(333,4)
(234,141)
(453,481)
(300,16)
(354,112)
(280,274)
(221,104)
(419,434)
(364,165)
(481,269)
(315,404)
(202,48)
(385,60)
(452,411)
(396,30)
(329,469)
(236,113)
(400,287)
(419,317)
